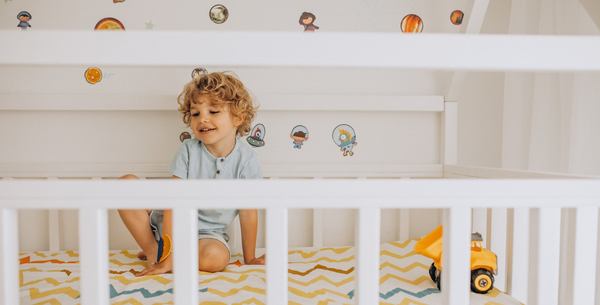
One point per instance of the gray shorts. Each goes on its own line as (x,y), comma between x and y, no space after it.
(156,220)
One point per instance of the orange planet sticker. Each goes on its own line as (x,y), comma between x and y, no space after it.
(457,17)
(93,75)
(110,24)
(412,24)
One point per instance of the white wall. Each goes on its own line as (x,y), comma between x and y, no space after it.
(130,140)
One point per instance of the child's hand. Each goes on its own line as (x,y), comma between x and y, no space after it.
(165,266)
(257,261)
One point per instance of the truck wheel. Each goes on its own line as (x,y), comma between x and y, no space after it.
(482,281)
(432,270)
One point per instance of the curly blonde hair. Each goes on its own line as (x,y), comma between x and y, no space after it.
(223,89)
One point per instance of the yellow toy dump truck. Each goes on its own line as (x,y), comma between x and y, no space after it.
(483,261)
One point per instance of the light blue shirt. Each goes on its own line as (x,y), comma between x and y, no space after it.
(194,161)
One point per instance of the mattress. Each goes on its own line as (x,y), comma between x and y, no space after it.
(322,276)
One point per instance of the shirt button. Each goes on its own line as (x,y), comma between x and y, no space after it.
(218,172)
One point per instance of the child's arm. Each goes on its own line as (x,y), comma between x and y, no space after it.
(249,224)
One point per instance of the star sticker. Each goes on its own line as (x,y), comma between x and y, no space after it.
(149,25)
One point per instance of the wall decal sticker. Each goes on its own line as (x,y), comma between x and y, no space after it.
(345,138)
(218,13)
(411,24)
(184,136)
(149,25)
(93,75)
(109,23)
(24,17)
(307,20)
(456,17)
(257,135)
(197,72)
(299,135)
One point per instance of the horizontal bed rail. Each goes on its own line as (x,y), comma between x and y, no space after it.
(285,49)
(456,197)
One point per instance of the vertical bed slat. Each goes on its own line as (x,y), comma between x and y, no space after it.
(498,245)
(586,237)
(480,223)
(403,224)
(93,255)
(318,228)
(368,255)
(450,136)
(549,256)
(520,255)
(185,261)
(277,256)
(456,256)
(53,227)
(9,253)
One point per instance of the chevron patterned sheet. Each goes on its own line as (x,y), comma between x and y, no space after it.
(316,276)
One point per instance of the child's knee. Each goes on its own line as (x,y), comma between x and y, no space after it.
(129,177)
(213,258)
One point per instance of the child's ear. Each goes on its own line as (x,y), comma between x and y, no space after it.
(237,120)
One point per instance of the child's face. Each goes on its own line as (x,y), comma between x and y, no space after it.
(214,125)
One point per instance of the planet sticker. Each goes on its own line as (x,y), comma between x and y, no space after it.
(257,135)
(218,13)
(93,75)
(456,17)
(411,24)
(109,24)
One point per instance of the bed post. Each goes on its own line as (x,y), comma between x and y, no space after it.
(9,263)
(93,255)
(277,255)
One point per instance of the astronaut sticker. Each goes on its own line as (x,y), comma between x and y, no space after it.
(184,136)
(24,17)
(199,72)
(299,135)
(307,20)
(257,135)
(344,136)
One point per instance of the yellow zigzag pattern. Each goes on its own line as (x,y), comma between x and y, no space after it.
(227,270)
(312,294)
(307,254)
(321,278)
(52,301)
(416,281)
(236,290)
(325,258)
(119,263)
(406,301)
(35,293)
(398,256)
(126,281)
(22,273)
(322,302)
(51,281)
(405,268)
(400,245)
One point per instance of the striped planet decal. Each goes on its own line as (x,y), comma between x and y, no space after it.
(411,24)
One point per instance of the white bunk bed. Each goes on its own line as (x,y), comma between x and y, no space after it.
(464,201)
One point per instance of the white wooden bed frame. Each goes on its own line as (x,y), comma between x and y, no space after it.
(461,199)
